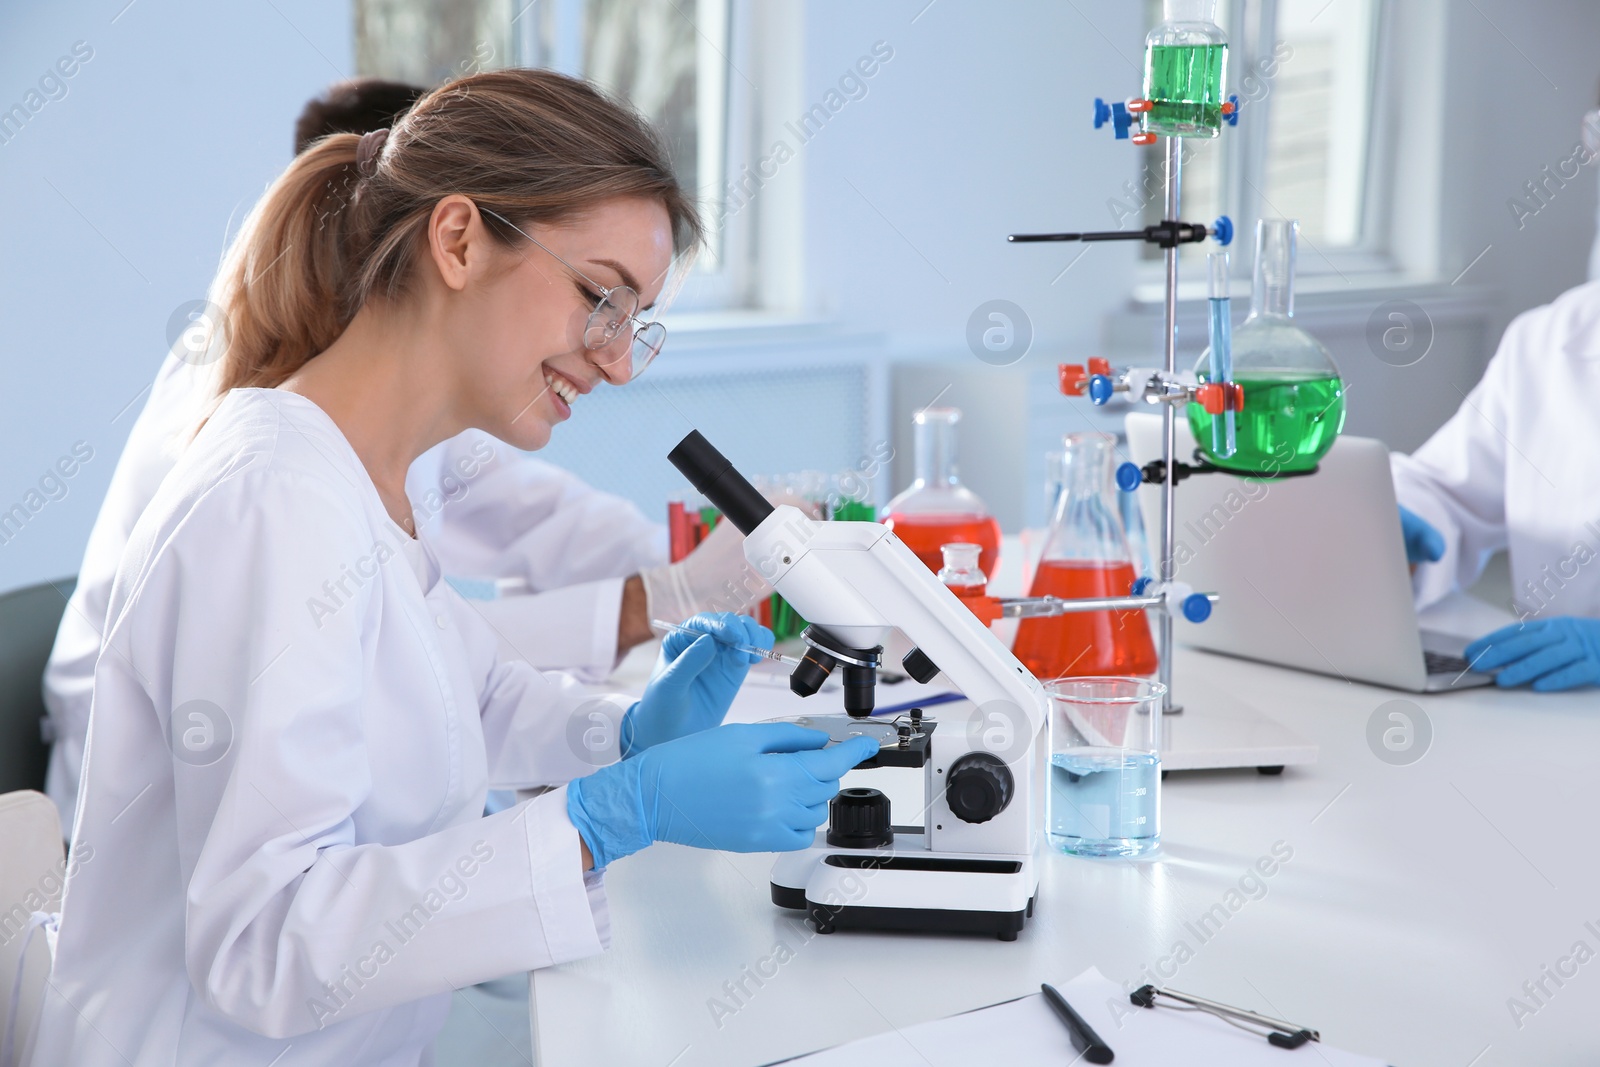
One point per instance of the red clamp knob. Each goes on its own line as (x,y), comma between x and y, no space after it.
(1073,378)
(1098,365)
(1138,105)
(1143,138)
(1229,107)
(1217,397)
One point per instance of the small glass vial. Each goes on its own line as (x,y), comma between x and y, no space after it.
(960,571)
(962,576)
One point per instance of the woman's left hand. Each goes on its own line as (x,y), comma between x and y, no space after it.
(694,681)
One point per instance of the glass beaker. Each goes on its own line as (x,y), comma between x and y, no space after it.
(1105,766)
(1185,67)
(1086,554)
(937,509)
(1293,395)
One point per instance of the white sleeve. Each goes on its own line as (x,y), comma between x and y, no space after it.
(540,727)
(573,628)
(492,511)
(282,902)
(1457,480)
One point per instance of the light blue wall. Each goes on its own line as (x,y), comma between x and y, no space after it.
(116,200)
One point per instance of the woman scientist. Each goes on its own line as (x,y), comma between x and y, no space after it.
(280,854)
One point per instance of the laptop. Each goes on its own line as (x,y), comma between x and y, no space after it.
(1311,571)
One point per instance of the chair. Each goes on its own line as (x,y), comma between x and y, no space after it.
(32,872)
(28,621)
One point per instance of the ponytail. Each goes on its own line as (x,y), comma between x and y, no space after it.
(281,285)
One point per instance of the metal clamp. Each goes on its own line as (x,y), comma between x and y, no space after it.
(1276,1031)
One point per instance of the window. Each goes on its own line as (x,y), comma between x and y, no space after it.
(424,42)
(669,58)
(1305,72)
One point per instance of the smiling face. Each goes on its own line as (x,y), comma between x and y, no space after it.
(517,319)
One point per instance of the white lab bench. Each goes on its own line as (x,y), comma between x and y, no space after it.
(1414,902)
(1417,900)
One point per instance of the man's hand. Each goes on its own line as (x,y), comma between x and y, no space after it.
(1424,544)
(1552,654)
(633,621)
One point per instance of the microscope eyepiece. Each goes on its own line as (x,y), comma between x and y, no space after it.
(712,474)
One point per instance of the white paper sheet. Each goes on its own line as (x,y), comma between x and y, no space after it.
(1025,1033)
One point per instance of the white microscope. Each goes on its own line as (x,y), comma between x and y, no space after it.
(966,862)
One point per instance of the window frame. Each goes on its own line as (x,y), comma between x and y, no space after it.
(727,281)
(1252,33)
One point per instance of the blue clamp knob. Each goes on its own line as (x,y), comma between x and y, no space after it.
(1196,608)
(1222,230)
(1232,117)
(1129,477)
(1101,388)
(1141,586)
(1117,114)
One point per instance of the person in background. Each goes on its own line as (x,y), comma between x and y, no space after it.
(591,569)
(1514,469)
(284,797)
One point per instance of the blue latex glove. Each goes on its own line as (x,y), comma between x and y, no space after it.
(694,681)
(1424,544)
(1553,654)
(739,788)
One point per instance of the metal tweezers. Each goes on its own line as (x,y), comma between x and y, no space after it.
(1276,1031)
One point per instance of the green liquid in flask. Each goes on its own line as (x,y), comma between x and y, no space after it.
(1184,85)
(1288,423)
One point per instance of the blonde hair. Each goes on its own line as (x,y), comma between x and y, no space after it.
(532,145)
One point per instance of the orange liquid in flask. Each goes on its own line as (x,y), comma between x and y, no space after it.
(1084,643)
(925,535)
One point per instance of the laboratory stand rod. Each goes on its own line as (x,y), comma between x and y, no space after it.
(1169,432)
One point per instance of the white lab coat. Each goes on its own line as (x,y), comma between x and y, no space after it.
(1515,467)
(302,874)
(488,510)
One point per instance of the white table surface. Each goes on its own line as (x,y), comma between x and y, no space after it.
(1417,901)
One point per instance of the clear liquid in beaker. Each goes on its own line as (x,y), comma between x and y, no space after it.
(1105,802)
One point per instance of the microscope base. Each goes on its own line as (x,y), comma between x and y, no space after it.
(913,890)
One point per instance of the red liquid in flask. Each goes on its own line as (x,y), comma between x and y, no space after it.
(927,534)
(1082,643)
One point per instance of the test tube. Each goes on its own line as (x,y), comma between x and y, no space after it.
(1223,440)
(678,535)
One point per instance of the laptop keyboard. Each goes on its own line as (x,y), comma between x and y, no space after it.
(1444,663)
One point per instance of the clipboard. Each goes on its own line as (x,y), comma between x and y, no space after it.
(1024,1032)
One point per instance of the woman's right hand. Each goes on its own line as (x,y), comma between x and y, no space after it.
(739,788)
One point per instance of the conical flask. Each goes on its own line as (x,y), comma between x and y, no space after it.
(937,509)
(1086,555)
(1293,395)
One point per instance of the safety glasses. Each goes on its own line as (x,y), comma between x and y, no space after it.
(617,308)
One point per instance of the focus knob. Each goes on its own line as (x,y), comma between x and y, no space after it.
(859,818)
(978,787)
